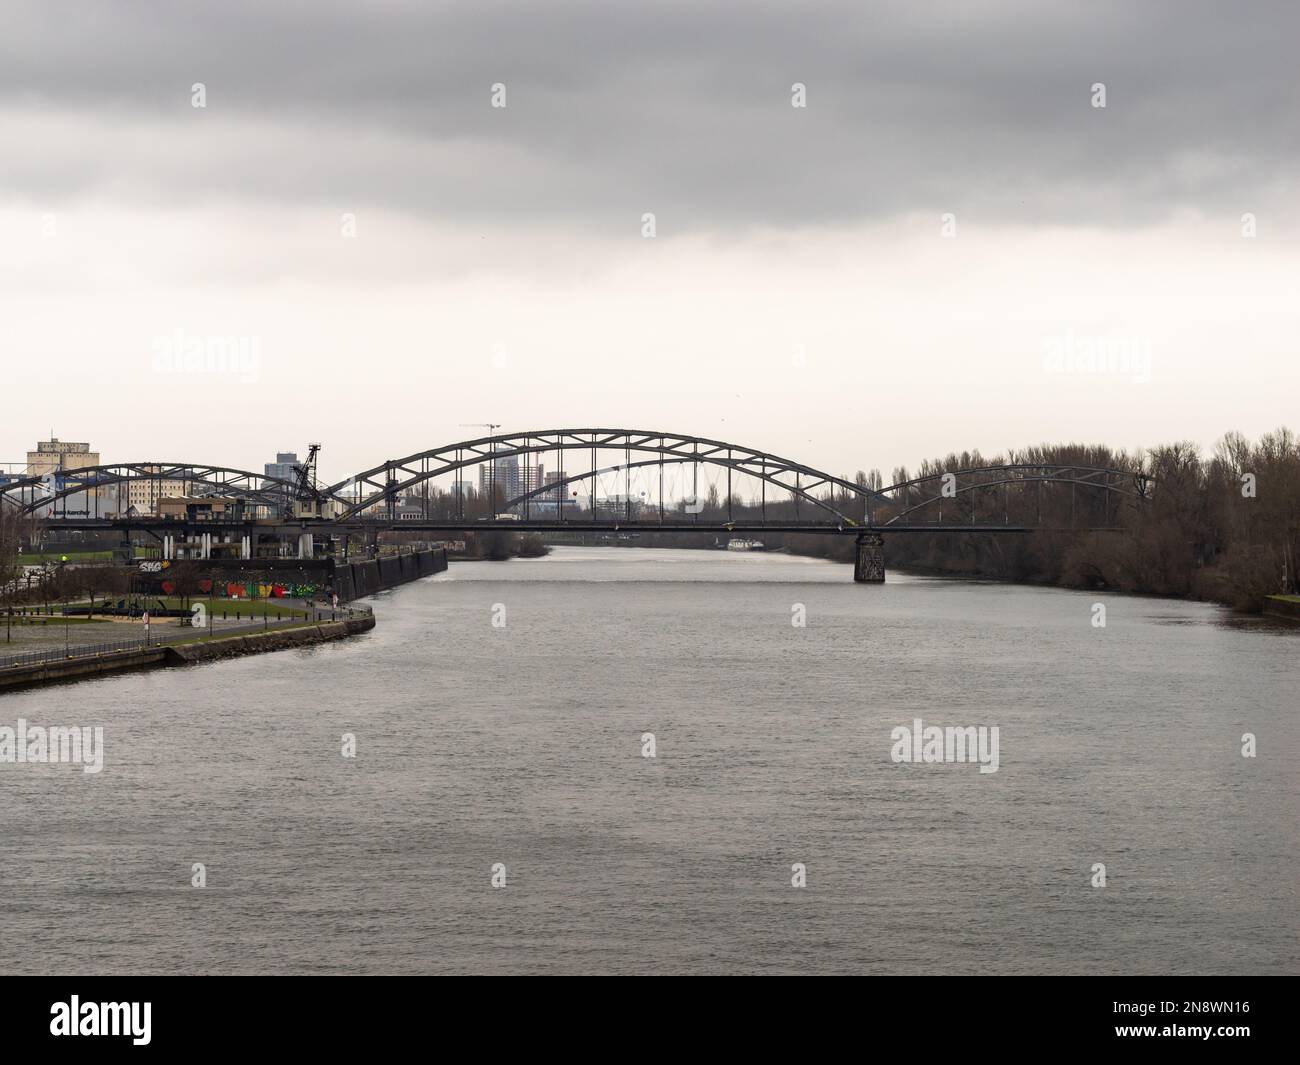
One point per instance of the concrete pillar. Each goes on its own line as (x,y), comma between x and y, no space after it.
(246,547)
(869,566)
(305,547)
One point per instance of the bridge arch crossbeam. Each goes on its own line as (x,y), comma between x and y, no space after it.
(1060,467)
(399,475)
(1022,474)
(738,466)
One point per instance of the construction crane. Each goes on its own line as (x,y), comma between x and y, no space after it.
(307,496)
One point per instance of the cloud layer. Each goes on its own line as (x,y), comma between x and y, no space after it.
(683,109)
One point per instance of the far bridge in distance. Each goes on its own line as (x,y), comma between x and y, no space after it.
(659,474)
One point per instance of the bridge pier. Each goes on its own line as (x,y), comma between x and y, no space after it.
(869,565)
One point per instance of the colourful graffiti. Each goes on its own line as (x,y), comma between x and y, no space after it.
(257,590)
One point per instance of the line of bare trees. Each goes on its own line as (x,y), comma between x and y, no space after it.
(1222,527)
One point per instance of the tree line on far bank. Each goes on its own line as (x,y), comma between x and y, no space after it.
(1223,527)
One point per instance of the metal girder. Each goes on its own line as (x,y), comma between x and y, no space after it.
(736,465)
(398,475)
(218,480)
(967,481)
(386,481)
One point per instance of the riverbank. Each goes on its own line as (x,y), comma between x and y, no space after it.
(200,649)
(60,660)
(1283,606)
(1040,560)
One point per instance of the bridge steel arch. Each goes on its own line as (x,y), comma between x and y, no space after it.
(966,485)
(27,498)
(1125,484)
(396,476)
(800,481)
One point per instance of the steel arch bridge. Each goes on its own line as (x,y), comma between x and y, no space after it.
(968,493)
(396,477)
(1006,498)
(41,495)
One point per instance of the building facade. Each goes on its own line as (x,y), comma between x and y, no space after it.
(55,455)
(283,466)
(510,479)
(143,493)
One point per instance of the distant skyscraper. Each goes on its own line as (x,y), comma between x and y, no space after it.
(503,475)
(511,479)
(534,478)
(554,478)
(283,466)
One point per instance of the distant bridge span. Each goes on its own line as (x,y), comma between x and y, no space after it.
(401,475)
(41,495)
(384,483)
(972,500)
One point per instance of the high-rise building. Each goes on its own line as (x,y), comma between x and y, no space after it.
(283,466)
(555,478)
(511,479)
(502,475)
(533,478)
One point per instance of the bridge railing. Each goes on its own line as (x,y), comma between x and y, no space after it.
(46,655)
(77,651)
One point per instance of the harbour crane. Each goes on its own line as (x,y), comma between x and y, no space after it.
(307,500)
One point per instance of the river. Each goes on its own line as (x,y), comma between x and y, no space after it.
(499,712)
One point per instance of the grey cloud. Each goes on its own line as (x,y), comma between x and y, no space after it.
(681,108)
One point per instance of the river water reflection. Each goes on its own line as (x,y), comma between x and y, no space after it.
(521,744)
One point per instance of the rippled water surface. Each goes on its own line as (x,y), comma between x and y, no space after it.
(522,745)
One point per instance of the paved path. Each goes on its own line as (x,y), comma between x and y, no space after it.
(56,640)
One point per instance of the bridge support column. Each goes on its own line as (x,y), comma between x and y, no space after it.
(869,566)
(306,548)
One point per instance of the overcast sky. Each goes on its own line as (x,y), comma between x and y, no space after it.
(388,255)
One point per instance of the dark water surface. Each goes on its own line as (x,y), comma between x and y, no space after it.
(522,745)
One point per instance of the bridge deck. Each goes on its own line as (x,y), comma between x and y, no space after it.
(357,526)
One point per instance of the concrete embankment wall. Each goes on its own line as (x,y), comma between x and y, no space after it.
(273,640)
(183,654)
(75,668)
(353,580)
(1277,607)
